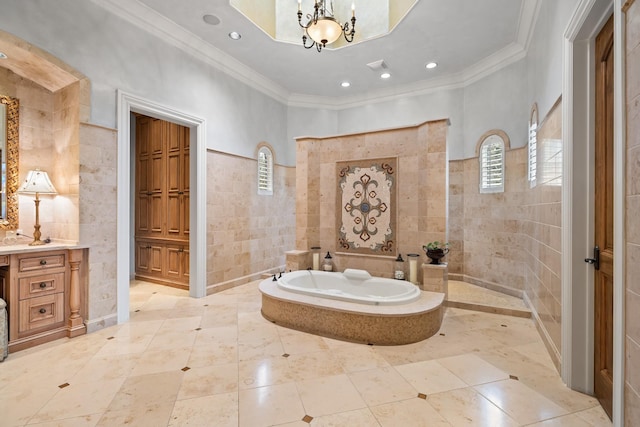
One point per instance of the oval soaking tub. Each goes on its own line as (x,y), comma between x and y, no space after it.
(353,285)
(335,306)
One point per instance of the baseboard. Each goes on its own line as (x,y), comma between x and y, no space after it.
(101,322)
(222,286)
(546,339)
(518,293)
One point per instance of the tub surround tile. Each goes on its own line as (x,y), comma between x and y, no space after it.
(416,148)
(373,324)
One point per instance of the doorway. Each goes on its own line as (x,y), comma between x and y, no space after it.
(127,104)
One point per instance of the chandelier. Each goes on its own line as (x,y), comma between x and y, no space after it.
(322,28)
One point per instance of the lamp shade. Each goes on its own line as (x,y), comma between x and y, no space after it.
(37,181)
(325,31)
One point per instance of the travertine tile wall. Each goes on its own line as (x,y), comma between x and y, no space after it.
(487,246)
(97,202)
(542,230)
(511,240)
(66,155)
(421,198)
(49,141)
(247,233)
(632,279)
(455,258)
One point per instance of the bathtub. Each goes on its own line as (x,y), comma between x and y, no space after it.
(356,286)
(352,306)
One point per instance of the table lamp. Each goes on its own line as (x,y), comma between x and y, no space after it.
(37,182)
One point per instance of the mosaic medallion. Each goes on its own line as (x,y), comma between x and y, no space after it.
(365,217)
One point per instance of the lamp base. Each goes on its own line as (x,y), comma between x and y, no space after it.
(36,243)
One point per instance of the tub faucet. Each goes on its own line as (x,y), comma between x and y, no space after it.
(274,278)
(280,275)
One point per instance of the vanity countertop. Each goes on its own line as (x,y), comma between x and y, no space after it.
(20,248)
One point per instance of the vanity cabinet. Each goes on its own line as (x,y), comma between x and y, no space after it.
(45,291)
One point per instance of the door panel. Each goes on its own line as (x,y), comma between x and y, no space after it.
(162,203)
(603,279)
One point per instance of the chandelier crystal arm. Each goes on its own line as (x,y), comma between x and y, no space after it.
(348,34)
(313,43)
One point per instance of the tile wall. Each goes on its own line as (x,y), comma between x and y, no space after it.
(97,191)
(247,233)
(421,198)
(541,227)
(632,279)
(487,246)
(49,140)
(511,240)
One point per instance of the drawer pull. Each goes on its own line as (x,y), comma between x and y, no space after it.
(43,311)
(43,262)
(43,285)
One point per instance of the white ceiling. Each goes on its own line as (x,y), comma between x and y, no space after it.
(467,38)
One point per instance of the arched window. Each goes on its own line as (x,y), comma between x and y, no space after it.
(532,174)
(265,169)
(491,148)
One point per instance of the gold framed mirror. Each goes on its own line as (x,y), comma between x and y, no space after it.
(9,124)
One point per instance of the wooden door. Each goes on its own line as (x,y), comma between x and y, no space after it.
(603,340)
(177,181)
(150,177)
(162,202)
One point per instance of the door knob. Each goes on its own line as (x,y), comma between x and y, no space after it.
(596,258)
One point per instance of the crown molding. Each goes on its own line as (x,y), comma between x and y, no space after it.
(155,23)
(483,68)
(527,22)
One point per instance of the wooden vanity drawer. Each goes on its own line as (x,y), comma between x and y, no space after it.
(40,312)
(4,260)
(41,285)
(41,262)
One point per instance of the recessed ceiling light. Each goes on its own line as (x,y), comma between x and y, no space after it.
(3,55)
(211,19)
(385,75)
(235,35)
(431,65)
(345,84)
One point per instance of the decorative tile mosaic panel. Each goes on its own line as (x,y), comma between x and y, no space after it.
(366,206)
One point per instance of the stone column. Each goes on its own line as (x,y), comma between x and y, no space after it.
(435,278)
(297,260)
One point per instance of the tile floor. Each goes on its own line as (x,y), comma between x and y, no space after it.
(216,362)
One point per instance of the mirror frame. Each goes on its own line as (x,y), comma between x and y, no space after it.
(12,149)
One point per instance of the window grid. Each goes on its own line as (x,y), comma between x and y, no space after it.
(265,171)
(492,166)
(533,153)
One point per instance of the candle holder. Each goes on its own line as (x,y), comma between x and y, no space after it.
(398,268)
(328,264)
(315,251)
(413,268)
